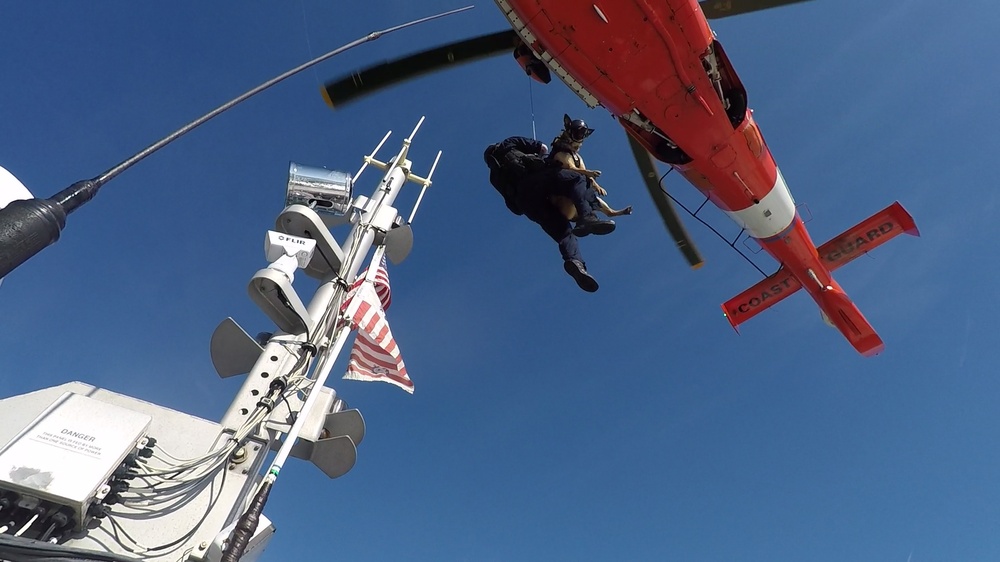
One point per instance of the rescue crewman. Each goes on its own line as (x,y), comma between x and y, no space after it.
(533,192)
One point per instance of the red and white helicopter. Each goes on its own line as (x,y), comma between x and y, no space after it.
(658,68)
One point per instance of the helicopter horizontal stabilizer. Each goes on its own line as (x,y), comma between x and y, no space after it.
(840,250)
(867,235)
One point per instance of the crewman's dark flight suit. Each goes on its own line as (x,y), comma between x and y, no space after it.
(534,197)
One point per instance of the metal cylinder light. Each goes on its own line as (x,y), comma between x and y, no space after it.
(326,191)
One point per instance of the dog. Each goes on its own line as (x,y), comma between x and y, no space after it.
(566,151)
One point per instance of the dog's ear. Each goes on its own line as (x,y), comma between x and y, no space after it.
(566,121)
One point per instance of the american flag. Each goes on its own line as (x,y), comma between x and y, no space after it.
(375,355)
(381,283)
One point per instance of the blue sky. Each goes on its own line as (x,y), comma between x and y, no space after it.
(547,423)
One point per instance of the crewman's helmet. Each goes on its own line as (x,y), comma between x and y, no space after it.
(576,129)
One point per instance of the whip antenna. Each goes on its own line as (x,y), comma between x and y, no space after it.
(33,224)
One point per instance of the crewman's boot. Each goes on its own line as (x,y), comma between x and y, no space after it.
(578,271)
(590,224)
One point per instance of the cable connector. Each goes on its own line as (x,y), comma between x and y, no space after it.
(98,510)
(125,472)
(113,498)
(63,517)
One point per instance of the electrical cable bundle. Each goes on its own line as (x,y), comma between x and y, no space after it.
(162,483)
(20,549)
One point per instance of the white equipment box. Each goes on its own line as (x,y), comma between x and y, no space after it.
(66,454)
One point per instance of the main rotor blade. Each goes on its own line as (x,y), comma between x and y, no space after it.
(647,166)
(343,90)
(715,9)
